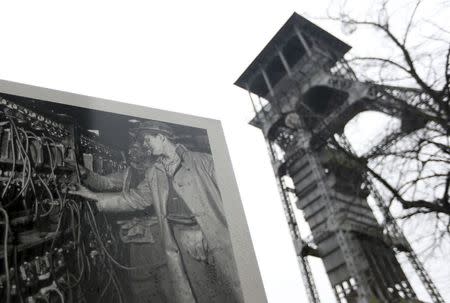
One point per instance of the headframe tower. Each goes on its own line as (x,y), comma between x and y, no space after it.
(303,92)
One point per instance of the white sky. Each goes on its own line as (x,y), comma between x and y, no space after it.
(181,56)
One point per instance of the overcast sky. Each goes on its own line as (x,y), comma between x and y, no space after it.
(181,56)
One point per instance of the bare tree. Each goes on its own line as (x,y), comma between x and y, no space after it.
(411,165)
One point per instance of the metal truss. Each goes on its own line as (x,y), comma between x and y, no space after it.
(305,269)
(397,235)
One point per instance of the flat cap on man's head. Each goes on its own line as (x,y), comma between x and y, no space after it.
(153,128)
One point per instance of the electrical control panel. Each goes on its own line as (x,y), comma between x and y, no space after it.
(55,246)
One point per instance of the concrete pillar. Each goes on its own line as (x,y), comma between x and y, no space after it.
(266,79)
(303,41)
(285,63)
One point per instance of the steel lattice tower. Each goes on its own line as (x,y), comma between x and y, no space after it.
(303,92)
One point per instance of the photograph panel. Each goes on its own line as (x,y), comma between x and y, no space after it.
(108,207)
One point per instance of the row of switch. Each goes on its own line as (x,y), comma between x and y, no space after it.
(36,121)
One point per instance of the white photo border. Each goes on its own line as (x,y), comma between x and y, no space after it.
(244,254)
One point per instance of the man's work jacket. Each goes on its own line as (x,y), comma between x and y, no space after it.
(194,181)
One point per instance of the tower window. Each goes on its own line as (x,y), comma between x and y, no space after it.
(275,70)
(259,86)
(293,51)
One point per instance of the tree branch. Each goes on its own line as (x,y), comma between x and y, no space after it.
(408,27)
(406,204)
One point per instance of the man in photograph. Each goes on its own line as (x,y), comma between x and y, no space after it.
(180,189)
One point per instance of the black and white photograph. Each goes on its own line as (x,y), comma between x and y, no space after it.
(257,151)
(104,207)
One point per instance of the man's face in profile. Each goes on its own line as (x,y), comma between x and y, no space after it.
(153,144)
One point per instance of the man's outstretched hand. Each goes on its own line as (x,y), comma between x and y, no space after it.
(84,192)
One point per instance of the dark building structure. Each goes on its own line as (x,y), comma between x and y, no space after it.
(303,92)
